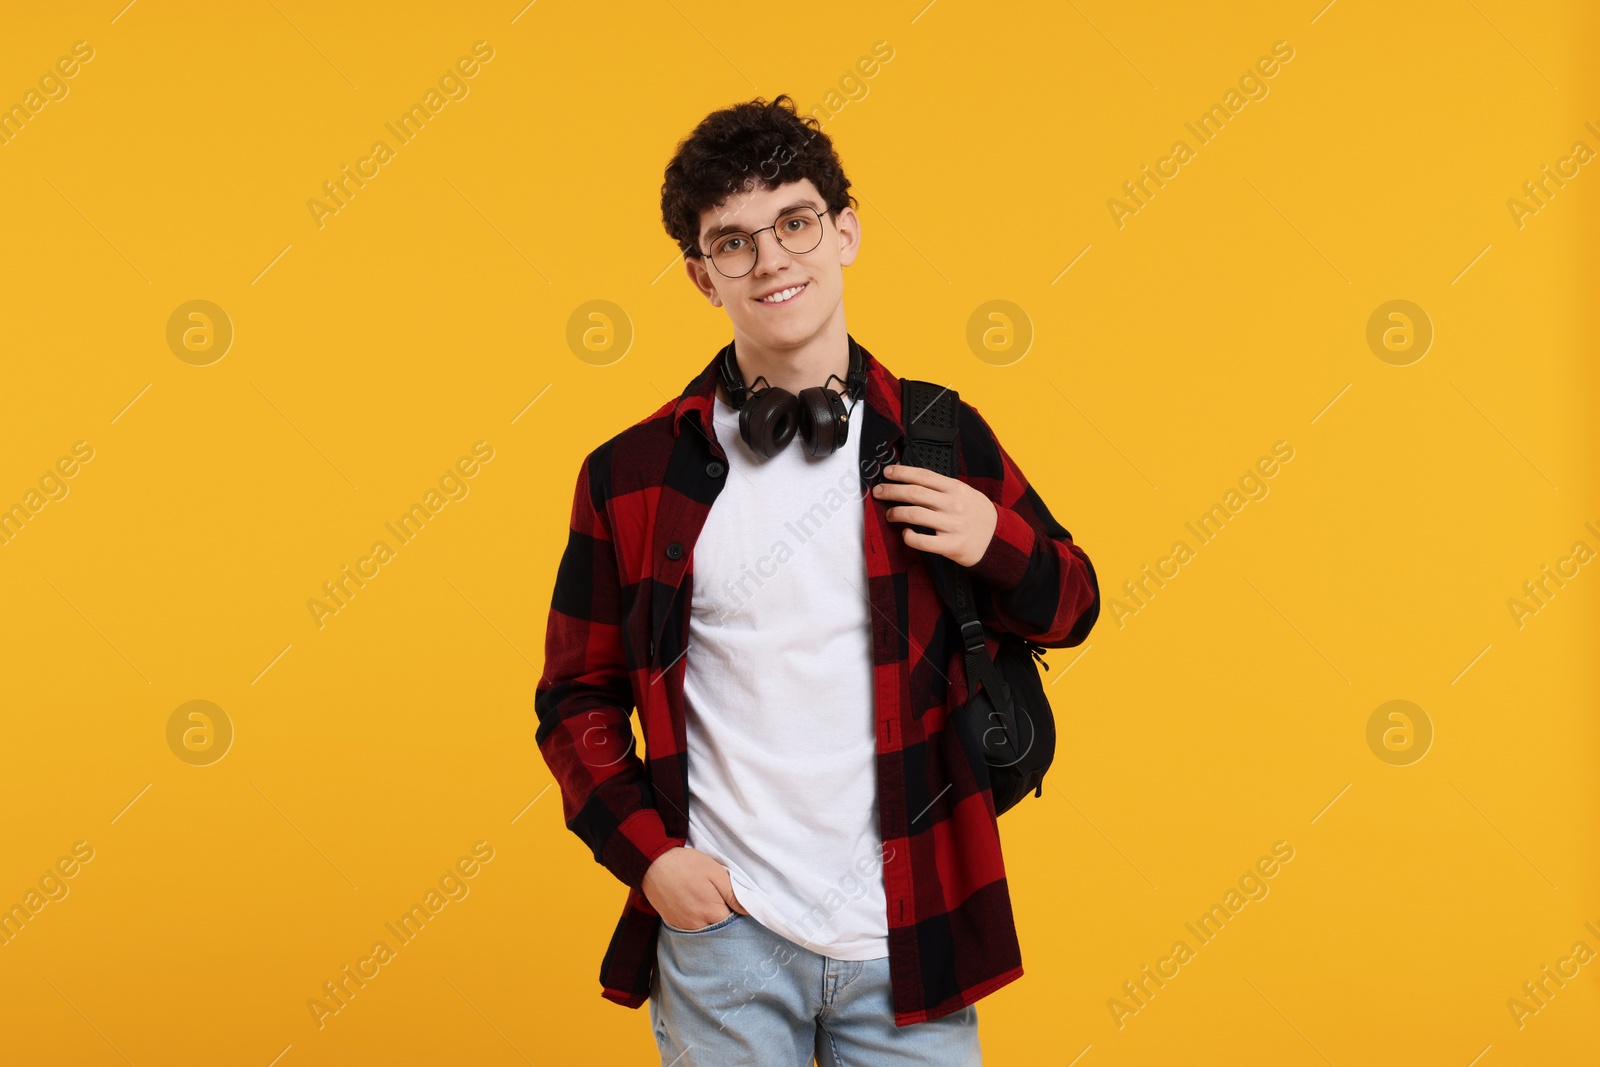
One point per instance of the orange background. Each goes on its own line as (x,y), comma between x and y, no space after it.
(1162,358)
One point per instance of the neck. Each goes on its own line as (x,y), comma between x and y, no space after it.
(798,367)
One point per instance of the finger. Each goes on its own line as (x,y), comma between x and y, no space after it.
(725,887)
(941,521)
(904,472)
(910,494)
(924,542)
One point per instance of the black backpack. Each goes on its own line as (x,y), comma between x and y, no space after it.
(1006,717)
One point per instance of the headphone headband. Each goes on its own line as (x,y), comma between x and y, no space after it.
(738,391)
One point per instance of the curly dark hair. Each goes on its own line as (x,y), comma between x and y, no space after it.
(749,145)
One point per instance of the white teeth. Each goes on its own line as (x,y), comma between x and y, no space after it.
(778,298)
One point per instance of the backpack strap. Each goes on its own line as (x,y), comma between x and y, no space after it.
(930,412)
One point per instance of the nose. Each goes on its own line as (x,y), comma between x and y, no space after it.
(771,257)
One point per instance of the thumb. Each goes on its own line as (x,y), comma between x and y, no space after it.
(728,896)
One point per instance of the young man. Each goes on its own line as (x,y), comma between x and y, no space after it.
(809,843)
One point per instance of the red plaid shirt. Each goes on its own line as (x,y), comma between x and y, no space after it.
(618,631)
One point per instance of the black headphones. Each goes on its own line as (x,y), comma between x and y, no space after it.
(773,415)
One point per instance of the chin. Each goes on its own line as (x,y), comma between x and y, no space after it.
(787,334)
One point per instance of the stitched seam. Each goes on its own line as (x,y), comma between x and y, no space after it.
(704,929)
(834,1045)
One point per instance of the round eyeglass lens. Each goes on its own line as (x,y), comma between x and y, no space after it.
(799,230)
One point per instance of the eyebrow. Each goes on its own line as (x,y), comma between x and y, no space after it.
(730,228)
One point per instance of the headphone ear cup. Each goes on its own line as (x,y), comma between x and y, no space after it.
(767,422)
(822,420)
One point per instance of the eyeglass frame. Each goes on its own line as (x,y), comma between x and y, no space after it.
(757,244)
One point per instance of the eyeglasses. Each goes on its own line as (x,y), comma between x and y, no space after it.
(798,230)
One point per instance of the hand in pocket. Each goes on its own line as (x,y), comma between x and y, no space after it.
(690,890)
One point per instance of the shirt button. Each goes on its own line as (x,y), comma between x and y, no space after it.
(715,469)
(674,551)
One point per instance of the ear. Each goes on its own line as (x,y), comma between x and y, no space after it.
(849,226)
(700,275)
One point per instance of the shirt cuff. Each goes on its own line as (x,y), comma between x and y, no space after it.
(643,838)
(1005,561)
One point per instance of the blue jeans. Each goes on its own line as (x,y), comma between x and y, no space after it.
(735,994)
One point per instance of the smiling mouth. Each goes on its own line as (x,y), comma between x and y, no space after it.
(784,296)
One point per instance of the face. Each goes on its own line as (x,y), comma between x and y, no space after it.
(820,272)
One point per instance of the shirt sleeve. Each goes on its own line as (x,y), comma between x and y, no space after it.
(584,698)
(1032,580)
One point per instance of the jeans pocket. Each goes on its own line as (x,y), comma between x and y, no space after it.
(718,925)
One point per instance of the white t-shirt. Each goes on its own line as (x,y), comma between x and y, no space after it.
(778,694)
